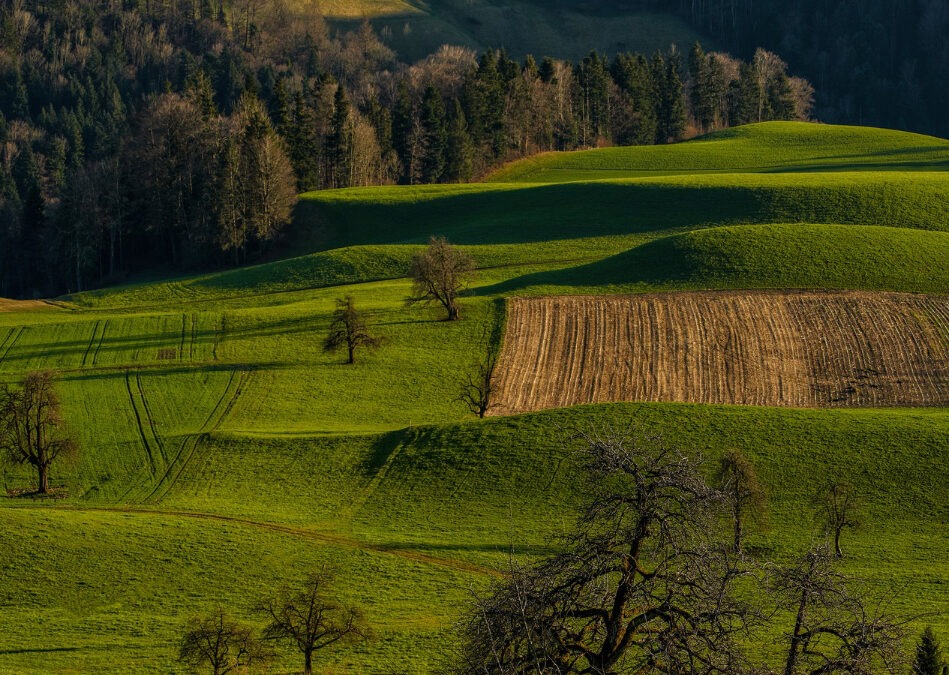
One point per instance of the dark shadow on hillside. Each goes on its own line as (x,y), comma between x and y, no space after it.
(145,346)
(384,448)
(659,262)
(505,548)
(534,214)
(38,650)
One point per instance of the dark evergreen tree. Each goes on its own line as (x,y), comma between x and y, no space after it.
(928,659)
(593,89)
(459,153)
(434,136)
(403,132)
(339,143)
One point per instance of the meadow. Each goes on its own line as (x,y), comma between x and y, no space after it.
(223,453)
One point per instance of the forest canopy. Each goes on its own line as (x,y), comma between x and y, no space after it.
(144,133)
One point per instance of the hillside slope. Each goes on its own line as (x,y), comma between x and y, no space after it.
(224,453)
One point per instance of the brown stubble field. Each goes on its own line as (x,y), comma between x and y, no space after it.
(794,349)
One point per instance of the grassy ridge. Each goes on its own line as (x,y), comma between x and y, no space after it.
(761,256)
(224,453)
(766,147)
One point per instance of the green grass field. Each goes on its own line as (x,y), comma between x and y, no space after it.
(224,454)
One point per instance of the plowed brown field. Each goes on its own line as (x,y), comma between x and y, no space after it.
(797,349)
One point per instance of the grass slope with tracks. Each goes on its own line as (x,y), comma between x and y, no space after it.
(223,453)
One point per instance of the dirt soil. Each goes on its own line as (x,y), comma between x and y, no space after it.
(796,349)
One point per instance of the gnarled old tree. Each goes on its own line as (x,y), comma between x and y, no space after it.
(834,629)
(31,426)
(643,585)
(440,274)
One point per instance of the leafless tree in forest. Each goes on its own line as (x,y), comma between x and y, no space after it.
(440,273)
(310,619)
(32,426)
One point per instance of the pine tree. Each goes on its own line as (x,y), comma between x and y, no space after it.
(403,132)
(435,136)
(339,142)
(459,154)
(701,92)
(928,659)
(632,75)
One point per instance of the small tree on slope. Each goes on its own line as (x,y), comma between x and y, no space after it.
(31,426)
(349,329)
(440,274)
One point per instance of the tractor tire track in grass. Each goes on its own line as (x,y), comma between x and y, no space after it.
(4,347)
(141,426)
(232,391)
(92,341)
(796,349)
(321,537)
(95,356)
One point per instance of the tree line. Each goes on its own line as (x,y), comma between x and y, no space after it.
(876,62)
(135,134)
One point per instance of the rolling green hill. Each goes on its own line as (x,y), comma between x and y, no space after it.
(224,453)
(779,147)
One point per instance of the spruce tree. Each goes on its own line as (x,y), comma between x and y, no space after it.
(435,136)
(339,142)
(403,116)
(928,659)
(459,154)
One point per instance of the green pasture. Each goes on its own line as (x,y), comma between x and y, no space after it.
(223,453)
(768,147)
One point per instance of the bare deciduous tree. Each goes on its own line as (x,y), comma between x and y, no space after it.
(31,426)
(440,274)
(221,644)
(311,620)
(746,499)
(838,507)
(834,631)
(477,386)
(641,586)
(349,329)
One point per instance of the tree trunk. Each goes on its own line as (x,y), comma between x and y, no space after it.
(352,354)
(837,551)
(307,663)
(791,664)
(738,529)
(452,312)
(43,482)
